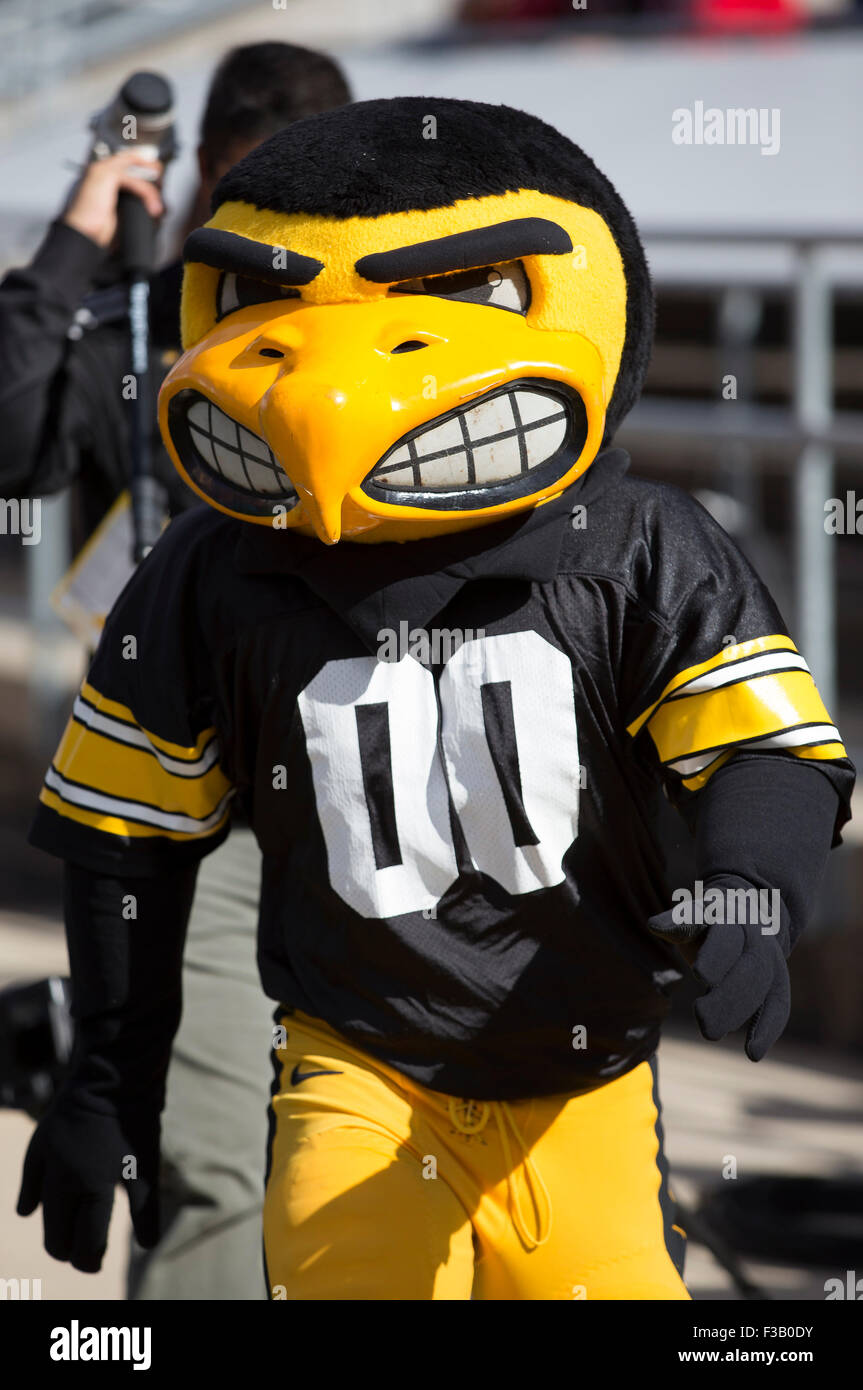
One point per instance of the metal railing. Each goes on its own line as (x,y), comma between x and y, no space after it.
(812,429)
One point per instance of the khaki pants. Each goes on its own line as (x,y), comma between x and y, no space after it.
(214,1129)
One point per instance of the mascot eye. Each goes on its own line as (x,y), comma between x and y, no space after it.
(239,291)
(502,286)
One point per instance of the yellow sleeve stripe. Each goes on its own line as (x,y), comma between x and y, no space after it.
(701,778)
(118,735)
(808,750)
(130,809)
(822,752)
(739,652)
(117,825)
(121,716)
(773,710)
(116,769)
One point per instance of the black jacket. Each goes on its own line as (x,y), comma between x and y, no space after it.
(64,350)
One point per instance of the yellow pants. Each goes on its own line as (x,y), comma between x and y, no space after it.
(381,1189)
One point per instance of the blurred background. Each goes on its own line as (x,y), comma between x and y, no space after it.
(754,402)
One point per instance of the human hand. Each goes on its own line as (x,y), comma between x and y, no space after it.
(92,207)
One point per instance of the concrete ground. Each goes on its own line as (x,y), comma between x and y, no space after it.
(799,1112)
(31,947)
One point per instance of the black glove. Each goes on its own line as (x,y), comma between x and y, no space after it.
(742,965)
(78,1154)
(103,1126)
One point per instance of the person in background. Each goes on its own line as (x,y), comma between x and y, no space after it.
(64,347)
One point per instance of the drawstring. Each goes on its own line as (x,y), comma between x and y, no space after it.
(471,1117)
(532,1177)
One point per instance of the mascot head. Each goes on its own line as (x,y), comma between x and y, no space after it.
(405,317)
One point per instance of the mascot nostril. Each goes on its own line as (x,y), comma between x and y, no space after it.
(411,345)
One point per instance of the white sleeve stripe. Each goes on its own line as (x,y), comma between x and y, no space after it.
(812,733)
(134,810)
(740,671)
(687,767)
(136,738)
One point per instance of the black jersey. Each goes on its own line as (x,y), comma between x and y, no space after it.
(450,752)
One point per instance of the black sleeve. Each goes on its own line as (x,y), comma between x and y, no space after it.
(37,307)
(125,938)
(768,818)
(712,671)
(137,786)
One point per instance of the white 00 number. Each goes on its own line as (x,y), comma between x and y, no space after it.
(384,754)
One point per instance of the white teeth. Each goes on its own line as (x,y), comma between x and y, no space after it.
(494,416)
(497,440)
(197,414)
(235,453)
(223,427)
(445,436)
(494,461)
(263,479)
(204,447)
(402,477)
(544,442)
(532,405)
(252,446)
(228,462)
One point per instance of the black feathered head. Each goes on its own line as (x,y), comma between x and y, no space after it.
(404,317)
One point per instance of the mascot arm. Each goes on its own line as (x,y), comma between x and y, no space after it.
(125,938)
(763,825)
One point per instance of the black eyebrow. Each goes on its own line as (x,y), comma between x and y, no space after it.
(228,251)
(504,241)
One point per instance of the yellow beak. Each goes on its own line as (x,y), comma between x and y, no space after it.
(332,389)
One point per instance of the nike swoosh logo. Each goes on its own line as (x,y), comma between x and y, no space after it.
(297,1076)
